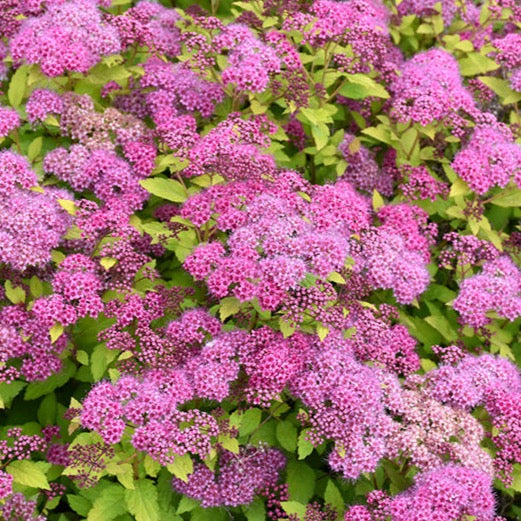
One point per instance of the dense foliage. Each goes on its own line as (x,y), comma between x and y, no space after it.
(260,260)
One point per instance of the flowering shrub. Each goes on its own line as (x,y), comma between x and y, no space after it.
(260,260)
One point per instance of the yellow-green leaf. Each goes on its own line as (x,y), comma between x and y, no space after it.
(29,473)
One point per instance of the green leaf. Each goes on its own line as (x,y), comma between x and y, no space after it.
(508,198)
(333,497)
(475,63)
(287,435)
(36,286)
(100,359)
(361,86)
(182,467)
(187,504)
(320,135)
(442,324)
(79,504)
(250,421)
(378,201)
(305,448)
(286,328)
(35,148)
(301,481)
(47,410)
(17,86)
(255,511)
(8,391)
(109,504)
(295,508)
(142,501)
(29,473)
(168,189)
(228,306)
(56,332)
(15,294)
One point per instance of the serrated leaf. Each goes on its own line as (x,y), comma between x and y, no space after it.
(286,328)
(230,444)
(305,448)
(228,306)
(301,481)
(320,135)
(255,511)
(109,504)
(17,86)
(287,435)
(168,189)
(250,421)
(35,148)
(459,187)
(361,86)
(333,497)
(108,262)
(187,504)
(142,501)
(475,63)
(15,294)
(322,331)
(29,473)
(56,332)
(182,467)
(68,206)
(508,199)
(295,508)
(79,504)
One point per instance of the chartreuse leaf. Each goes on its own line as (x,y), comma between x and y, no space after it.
(168,189)
(228,306)
(295,508)
(508,198)
(17,86)
(142,502)
(109,504)
(29,473)
(15,294)
(250,420)
(475,63)
(182,467)
(305,448)
(79,504)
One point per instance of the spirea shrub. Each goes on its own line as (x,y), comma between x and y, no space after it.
(260,260)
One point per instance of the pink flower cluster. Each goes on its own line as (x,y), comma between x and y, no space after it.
(31,222)
(344,404)
(9,120)
(446,493)
(496,289)
(26,349)
(238,478)
(251,62)
(491,158)
(430,90)
(149,24)
(362,170)
(361,24)
(68,36)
